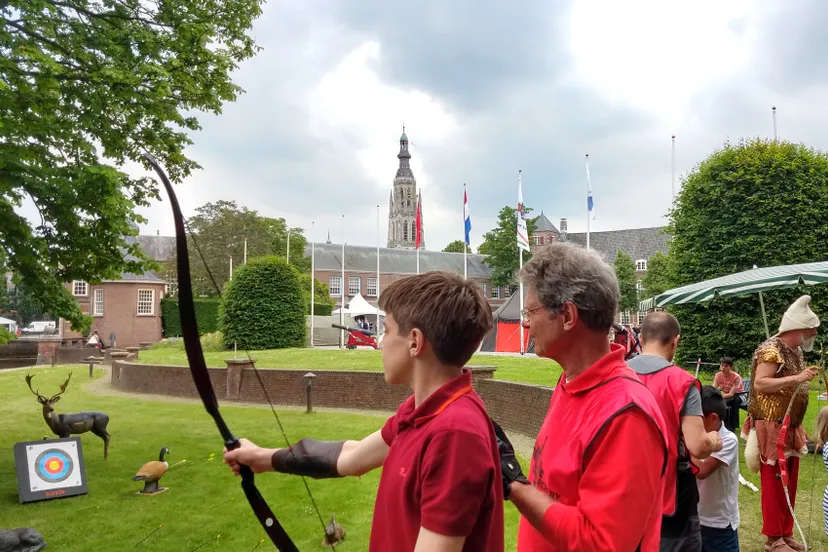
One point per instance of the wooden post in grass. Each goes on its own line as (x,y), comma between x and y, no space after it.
(309,381)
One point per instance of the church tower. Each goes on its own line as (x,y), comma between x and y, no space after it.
(402,204)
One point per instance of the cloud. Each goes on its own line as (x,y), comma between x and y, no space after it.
(487,89)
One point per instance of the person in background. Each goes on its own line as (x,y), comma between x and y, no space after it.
(729,383)
(679,396)
(821,440)
(718,480)
(95,341)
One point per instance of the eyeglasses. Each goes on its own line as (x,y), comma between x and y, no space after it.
(524,313)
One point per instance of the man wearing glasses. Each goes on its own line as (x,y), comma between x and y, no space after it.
(595,477)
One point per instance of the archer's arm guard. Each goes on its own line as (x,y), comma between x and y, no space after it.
(309,457)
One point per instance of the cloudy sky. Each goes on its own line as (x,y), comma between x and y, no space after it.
(488,88)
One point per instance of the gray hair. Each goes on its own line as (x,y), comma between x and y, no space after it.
(562,272)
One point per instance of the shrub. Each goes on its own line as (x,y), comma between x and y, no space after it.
(206,316)
(212,342)
(262,306)
(5,336)
(323,305)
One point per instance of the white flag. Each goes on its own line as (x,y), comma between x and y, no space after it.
(522,232)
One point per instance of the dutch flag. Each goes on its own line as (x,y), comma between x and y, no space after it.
(466,216)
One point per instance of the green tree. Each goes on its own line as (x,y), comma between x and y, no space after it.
(5,336)
(500,247)
(657,278)
(760,203)
(625,273)
(457,246)
(278,231)
(84,88)
(263,306)
(19,304)
(323,304)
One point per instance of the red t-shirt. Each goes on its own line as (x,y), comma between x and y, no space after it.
(600,454)
(726,385)
(442,472)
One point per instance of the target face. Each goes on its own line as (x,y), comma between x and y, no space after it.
(50,469)
(54,465)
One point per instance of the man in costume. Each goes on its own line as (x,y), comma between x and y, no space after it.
(595,476)
(678,394)
(441,487)
(777,404)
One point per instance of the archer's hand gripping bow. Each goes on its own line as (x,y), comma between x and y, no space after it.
(201,377)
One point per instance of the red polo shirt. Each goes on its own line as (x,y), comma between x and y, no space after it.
(442,473)
(601,455)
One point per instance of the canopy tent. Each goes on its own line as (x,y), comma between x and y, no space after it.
(9,324)
(755,280)
(358,306)
(505,335)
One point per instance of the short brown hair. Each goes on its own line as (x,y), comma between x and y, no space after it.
(659,326)
(451,312)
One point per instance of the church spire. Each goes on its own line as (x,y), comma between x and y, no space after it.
(404,156)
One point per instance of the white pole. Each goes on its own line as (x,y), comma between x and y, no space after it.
(589,186)
(465,262)
(342,289)
(313,281)
(673,168)
(418,260)
(231,267)
(378,255)
(774,123)
(288,246)
(520,299)
(245,250)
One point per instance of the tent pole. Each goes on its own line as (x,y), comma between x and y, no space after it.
(764,316)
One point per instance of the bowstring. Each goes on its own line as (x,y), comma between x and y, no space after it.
(261,383)
(823,382)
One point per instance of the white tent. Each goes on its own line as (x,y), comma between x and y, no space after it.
(360,307)
(9,324)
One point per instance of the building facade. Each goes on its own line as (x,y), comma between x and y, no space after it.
(402,204)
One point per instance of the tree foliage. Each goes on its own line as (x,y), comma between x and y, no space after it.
(219,230)
(83,81)
(5,336)
(206,316)
(625,273)
(18,304)
(760,203)
(457,246)
(657,278)
(500,247)
(263,307)
(323,304)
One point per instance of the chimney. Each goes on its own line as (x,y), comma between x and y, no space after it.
(158,232)
(563,225)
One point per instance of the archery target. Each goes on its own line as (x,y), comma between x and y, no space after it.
(50,469)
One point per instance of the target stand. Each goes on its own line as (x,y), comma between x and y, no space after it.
(49,469)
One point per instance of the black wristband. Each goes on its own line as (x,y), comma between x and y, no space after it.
(309,457)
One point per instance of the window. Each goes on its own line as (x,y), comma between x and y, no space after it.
(354,285)
(172,287)
(79,288)
(537,240)
(495,293)
(97,307)
(483,287)
(641,316)
(146,301)
(625,318)
(641,264)
(371,287)
(335,283)
(639,286)
(405,230)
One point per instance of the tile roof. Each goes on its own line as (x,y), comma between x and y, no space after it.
(543,224)
(363,258)
(638,243)
(158,248)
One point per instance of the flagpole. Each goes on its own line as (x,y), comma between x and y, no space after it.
(231,267)
(245,250)
(520,256)
(774,123)
(313,281)
(418,228)
(287,256)
(674,168)
(466,232)
(378,258)
(589,187)
(342,290)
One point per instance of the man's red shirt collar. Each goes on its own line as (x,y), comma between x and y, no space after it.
(597,373)
(436,402)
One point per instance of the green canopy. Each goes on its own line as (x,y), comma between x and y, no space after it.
(742,283)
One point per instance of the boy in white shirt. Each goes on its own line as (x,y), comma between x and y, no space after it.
(718,480)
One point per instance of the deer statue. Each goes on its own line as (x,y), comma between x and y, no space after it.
(64,425)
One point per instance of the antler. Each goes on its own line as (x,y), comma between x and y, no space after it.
(62,387)
(29,378)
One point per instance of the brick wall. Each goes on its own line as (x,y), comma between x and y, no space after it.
(120,313)
(516,407)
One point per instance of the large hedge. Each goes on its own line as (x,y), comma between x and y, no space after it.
(263,306)
(757,202)
(206,315)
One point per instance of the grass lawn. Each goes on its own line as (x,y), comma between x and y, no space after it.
(204,500)
(812,480)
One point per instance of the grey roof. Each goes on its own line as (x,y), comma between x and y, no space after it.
(638,243)
(362,258)
(158,248)
(543,224)
(148,277)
